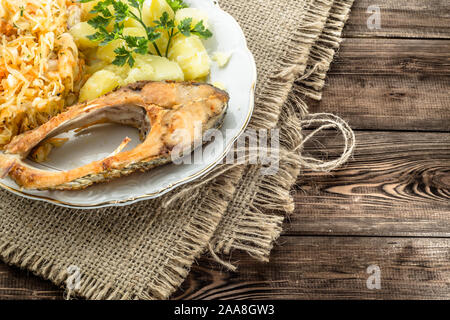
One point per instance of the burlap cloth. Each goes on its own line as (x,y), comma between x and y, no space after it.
(145,251)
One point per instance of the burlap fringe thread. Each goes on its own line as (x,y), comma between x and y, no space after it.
(257,230)
(276,90)
(261,223)
(91,288)
(323,51)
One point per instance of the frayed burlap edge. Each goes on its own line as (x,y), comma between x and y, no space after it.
(323,51)
(276,89)
(257,238)
(257,231)
(272,193)
(191,243)
(261,222)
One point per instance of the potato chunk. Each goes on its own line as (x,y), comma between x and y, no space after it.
(141,73)
(154,9)
(86,8)
(191,55)
(164,69)
(107,53)
(197,15)
(121,71)
(95,66)
(98,84)
(162,43)
(130,22)
(79,32)
(154,68)
(221,58)
(151,11)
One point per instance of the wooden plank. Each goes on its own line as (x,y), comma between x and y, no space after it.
(397,184)
(300,268)
(330,268)
(393,57)
(390,84)
(383,102)
(18,284)
(402,18)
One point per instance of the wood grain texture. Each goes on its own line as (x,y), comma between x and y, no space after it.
(19,284)
(301,268)
(390,84)
(392,57)
(402,19)
(383,102)
(389,206)
(330,268)
(397,184)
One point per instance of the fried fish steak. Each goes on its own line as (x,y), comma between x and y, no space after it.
(160,111)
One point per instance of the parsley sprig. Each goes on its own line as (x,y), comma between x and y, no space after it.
(138,45)
(184,27)
(177,4)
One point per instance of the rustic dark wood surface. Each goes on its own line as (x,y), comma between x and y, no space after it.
(389,206)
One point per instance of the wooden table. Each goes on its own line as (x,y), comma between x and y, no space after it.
(388,207)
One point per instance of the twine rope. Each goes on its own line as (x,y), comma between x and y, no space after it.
(327,121)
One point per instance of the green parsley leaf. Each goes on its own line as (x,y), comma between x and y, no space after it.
(132,9)
(98,36)
(120,11)
(123,56)
(138,44)
(201,31)
(176,4)
(102,8)
(185,27)
(165,22)
(152,34)
(118,29)
(136,3)
(99,21)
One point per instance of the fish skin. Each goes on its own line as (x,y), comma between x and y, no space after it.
(157,109)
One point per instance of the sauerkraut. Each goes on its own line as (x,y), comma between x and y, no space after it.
(40,68)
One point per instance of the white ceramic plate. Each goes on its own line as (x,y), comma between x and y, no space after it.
(239,78)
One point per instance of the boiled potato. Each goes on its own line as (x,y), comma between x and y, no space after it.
(136,31)
(219,85)
(86,14)
(191,55)
(98,84)
(130,22)
(79,32)
(164,69)
(89,54)
(196,15)
(86,8)
(161,43)
(155,68)
(144,72)
(107,53)
(95,66)
(153,10)
(121,71)
(221,58)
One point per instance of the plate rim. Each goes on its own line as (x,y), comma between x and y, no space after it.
(172,186)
